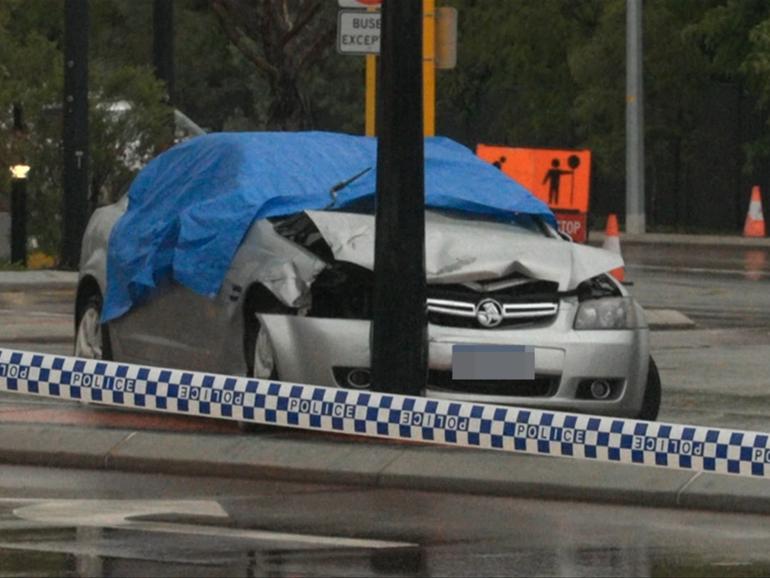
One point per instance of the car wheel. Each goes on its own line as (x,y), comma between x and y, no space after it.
(92,338)
(652,394)
(257,349)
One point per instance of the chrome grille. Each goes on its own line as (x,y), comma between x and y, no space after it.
(524,302)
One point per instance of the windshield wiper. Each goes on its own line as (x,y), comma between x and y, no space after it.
(342,184)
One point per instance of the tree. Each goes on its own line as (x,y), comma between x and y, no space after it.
(31,76)
(513,82)
(283,39)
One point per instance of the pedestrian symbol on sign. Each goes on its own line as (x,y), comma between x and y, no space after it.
(553,178)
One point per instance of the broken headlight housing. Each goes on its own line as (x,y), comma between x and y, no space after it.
(343,291)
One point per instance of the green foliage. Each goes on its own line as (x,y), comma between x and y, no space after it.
(31,68)
(128,124)
(549,73)
(30,75)
(513,83)
(284,44)
(597,63)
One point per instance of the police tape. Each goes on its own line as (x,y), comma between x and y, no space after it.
(383,415)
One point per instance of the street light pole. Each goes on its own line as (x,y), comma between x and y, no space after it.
(163,60)
(163,44)
(19,195)
(19,214)
(399,325)
(635,211)
(75,137)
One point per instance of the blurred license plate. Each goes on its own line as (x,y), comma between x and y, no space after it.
(471,361)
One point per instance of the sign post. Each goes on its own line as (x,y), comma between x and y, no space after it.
(429,66)
(358,33)
(371,64)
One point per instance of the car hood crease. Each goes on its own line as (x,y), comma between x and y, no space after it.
(455,252)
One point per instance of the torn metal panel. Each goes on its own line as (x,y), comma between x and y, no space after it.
(462,250)
(285,268)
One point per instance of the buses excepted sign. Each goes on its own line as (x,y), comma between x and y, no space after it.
(560,178)
(358,32)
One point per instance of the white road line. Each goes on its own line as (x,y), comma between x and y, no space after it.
(669,268)
(306,540)
(117,514)
(22,313)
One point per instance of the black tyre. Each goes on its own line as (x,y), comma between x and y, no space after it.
(92,338)
(652,394)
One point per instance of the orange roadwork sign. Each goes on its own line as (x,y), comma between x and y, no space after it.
(560,178)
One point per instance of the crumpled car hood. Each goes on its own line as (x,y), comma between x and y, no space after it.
(463,250)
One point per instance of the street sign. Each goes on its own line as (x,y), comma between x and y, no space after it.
(561,178)
(358,32)
(359,3)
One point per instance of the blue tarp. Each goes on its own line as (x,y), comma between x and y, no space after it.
(189,208)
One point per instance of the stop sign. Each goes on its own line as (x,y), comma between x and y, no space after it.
(359,3)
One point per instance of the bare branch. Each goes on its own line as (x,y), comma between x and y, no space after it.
(315,51)
(307,12)
(286,15)
(235,35)
(249,18)
(275,17)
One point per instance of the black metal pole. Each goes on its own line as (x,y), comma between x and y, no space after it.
(163,43)
(76,26)
(399,326)
(19,196)
(163,60)
(19,221)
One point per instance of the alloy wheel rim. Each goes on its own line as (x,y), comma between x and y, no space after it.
(88,342)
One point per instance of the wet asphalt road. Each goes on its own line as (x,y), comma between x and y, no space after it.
(75,523)
(717,287)
(717,374)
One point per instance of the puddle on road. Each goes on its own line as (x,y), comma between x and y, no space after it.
(114,553)
(81,552)
(23,560)
(755,262)
(22,564)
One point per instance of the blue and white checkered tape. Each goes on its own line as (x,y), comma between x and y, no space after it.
(383,415)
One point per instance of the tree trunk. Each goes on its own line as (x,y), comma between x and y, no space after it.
(287,108)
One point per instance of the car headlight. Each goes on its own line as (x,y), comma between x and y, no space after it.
(610,313)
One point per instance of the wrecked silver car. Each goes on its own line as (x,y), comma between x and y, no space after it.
(294,304)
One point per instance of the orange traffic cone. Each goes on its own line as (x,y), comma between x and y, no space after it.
(612,243)
(755,221)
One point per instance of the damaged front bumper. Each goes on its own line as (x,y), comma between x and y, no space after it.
(335,353)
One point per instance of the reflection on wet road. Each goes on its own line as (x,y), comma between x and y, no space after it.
(729,260)
(78,523)
(715,286)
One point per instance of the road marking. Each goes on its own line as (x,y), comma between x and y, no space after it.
(675,269)
(117,514)
(17,313)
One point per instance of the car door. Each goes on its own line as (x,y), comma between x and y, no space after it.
(176,328)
